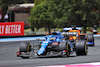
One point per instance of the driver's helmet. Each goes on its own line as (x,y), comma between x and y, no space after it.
(54,33)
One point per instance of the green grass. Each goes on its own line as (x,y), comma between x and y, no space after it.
(43,31)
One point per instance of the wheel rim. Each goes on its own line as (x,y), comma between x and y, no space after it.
(86,48)
(87,39)
(29,45)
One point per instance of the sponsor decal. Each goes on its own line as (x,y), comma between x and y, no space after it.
(11,28)
(55,43)
(45,42)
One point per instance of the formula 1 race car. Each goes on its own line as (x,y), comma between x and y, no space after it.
(56,44)
(88,37)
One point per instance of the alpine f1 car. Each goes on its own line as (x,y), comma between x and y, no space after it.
(88,37)
(56,44)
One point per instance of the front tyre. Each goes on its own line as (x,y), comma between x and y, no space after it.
(81,47)
(25,47)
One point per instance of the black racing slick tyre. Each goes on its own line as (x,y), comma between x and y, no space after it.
(81,47)
(64,46)
(25,47)
(90,38)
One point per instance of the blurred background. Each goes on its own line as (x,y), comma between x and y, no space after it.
(40,16)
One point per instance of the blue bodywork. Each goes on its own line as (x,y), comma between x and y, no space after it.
(50,39)
(90,43)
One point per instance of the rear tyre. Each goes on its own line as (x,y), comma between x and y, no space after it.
(90,38)
(81,47)
(64,46)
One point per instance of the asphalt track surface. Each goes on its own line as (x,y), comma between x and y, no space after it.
(8,56)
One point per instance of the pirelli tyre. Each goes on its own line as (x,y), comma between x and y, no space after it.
(81,47)
(90,38)
(64,46)
(25,47)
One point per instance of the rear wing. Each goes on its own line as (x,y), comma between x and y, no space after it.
(79,28)
(67,29)
(70,28)
(70,33)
